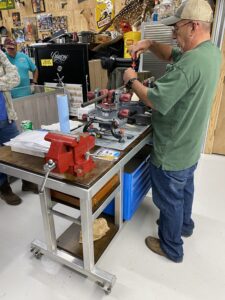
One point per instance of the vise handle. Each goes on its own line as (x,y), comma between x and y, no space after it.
(48,167)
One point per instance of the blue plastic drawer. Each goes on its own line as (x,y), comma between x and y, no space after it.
(136,183)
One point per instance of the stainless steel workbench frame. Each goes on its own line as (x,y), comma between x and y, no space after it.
(87,265)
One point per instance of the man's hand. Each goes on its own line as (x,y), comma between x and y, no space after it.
(140,47)
(33,82)
(138,88)
(128,74)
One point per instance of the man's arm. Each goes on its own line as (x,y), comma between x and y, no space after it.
(33,69)
(162,51)
(139,89)
(10,78)
(35,76)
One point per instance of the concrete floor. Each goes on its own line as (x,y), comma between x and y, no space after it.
(140,273)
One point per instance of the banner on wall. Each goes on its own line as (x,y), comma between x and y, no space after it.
(104,12)
(30,28)
(7,4)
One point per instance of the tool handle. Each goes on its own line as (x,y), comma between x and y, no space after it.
(95,100)
(48,167)
(134,61)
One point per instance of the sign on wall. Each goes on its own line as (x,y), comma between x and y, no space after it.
(7,4)
(59,23)
(30,28)
(16,19)
(105,11)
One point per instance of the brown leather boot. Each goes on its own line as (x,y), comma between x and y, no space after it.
(154,245)
(8,196)
(29,187)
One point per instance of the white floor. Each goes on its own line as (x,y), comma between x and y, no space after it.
(140,273)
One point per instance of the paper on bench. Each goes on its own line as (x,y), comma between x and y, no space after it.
(30,140)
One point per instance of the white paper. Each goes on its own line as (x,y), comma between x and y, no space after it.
(56,126)
(30,140)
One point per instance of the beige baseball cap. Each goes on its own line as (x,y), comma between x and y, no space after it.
(196,10)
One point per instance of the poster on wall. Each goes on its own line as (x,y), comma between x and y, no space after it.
(44,22)
(16,19)
(104,12)
(38,6)
(18,35)
(30,28)
(59,23)
(7,4)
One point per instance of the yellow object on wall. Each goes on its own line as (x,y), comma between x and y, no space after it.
(130,38)
(104,13)
(7,4)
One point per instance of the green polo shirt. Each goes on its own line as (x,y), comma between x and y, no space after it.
(182,100)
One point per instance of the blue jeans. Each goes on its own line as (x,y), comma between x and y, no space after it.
(7,132)
(173,193)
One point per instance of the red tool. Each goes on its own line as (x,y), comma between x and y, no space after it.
(70,153)
(134,61)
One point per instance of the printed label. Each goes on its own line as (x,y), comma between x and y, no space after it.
(46,62)
(105,11)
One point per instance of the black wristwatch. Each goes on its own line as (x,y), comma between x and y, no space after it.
(130,82)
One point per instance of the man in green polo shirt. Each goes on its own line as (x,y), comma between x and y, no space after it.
(181,101)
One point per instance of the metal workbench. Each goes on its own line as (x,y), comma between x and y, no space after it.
(30,168)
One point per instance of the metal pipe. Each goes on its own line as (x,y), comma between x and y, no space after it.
(95,100)
(64,216)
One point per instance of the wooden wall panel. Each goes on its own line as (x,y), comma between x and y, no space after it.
(77,21)
(213,122)
(219,135)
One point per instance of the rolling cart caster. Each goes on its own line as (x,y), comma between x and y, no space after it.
(107,291)
(105,286)
(36,252)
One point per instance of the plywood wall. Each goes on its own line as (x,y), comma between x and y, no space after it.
(215,135)
(81,16)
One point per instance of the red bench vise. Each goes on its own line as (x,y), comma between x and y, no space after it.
(71,153)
